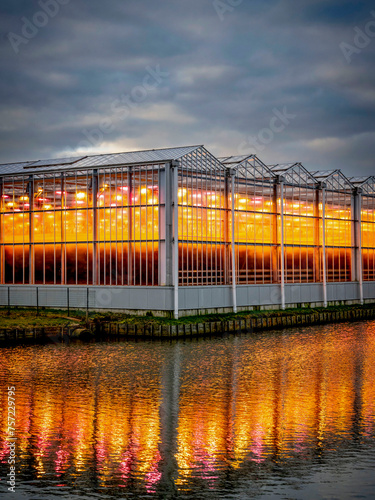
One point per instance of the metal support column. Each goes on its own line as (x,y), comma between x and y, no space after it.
(30,193)
(165,227)
(274,249)
(95,190)
(226,228)
(234,287)
(130,225)
(358,240)
(62,230)
(2,259)
(174,185)
(324,257)
(282,253)
(353,237)
(317,240)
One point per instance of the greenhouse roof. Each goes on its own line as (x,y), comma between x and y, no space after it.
(247,166)
(366,183)
(334,179)
(294,173)
(192,158)
(103,160)
(358,181)
(231,160)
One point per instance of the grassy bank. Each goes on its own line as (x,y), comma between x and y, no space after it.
(18,317)
(29,317)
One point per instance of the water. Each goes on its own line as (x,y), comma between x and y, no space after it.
(286,415)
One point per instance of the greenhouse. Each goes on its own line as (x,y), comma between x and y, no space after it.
(179,230)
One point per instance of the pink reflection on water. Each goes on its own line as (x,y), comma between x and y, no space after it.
(62,460)
(153,475)
(125,465)
(257,446)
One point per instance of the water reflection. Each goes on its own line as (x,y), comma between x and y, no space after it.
(194,416)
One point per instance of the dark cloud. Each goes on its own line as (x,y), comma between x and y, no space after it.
(225,72)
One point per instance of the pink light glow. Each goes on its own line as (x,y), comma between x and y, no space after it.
(125,465)
(257,446)
(61,461)
(153,475)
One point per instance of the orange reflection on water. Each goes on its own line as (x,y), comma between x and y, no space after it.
(140,413)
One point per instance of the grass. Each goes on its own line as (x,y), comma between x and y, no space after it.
(233,316)
(28,317)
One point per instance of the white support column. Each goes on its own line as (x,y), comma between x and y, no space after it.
(30,189)
(2,260)
(63,229)
(274,248)
(95,190)
(282,256)
(324,261)
(174,185)
(165,226)
(234,285)
(358,241)
(353,237)
(317,239)
(130,235)
(227,259)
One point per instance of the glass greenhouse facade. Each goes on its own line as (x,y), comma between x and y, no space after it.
(178,219)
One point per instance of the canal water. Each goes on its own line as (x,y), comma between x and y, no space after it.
(286,415)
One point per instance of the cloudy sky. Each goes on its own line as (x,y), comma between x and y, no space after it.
(287,80)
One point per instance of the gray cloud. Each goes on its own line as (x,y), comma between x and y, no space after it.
(225,79)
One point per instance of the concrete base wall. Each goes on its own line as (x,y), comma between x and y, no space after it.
(137,299)
(192,300)
(204,300)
